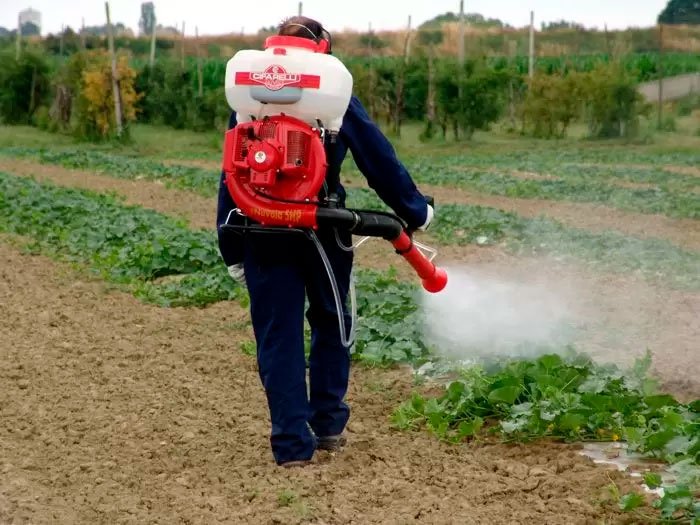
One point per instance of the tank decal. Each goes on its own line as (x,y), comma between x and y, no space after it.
(275,77)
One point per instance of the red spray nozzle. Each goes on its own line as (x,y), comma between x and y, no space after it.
(437,282)
(434,278)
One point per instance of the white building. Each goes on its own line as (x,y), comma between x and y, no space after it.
(30,16)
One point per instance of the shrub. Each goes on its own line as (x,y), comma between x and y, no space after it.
(25,86)
(94,115)
(552,103)
(613,103)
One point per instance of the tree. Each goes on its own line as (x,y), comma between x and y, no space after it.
(551,103)
(94,105)
(681,12)
(429,40)
(469,99)
(25,85)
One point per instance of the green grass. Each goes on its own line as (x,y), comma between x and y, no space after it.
(158,142)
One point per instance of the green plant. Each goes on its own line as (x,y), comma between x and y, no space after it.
(668,124)
(571,399)
(551,104)
(155,256)
(95,108)
(613,103)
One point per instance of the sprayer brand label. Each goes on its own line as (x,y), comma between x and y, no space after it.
(275,77)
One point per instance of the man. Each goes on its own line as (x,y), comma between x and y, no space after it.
(281,269)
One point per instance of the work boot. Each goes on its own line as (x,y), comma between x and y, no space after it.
(331,443)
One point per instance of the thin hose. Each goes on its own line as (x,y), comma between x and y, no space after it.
(344,339)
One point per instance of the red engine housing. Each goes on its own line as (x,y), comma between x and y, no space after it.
(274,169)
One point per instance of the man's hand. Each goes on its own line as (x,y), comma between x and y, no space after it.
(237,273)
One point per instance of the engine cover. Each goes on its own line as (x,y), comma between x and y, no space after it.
(274,170)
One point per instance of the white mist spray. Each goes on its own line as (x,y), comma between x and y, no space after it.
(479,315)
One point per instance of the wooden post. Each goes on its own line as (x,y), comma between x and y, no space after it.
(661,77)
(430,106)
(32,92)
(200,80)
(152,60)
(301,8)
(513,53)
(82,34)
(407,44)
(115,82)
(531,63)
(60,45)
(19,39)
(401,82)
(182,47)
(372,108)
(460,44)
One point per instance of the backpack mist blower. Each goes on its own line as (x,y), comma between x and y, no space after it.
(289,101)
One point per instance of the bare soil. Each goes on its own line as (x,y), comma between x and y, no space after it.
(118,412)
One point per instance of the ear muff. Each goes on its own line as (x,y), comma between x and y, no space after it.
(324,46)
(325,42)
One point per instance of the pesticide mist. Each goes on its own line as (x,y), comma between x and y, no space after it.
(481,315)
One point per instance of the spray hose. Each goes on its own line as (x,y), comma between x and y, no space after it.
(389,227)
(367,224)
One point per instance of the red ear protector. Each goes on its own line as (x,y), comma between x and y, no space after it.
(323,41)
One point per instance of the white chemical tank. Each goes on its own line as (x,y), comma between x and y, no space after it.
(288,77)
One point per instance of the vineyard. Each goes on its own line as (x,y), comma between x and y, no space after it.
(131,393)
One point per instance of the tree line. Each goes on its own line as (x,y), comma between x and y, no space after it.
(450,98)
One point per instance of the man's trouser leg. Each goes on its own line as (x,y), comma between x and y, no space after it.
(276,289)
(329,362)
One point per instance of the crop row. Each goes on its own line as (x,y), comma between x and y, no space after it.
(674,196)
(584,184)
(181,177)
(532,159)
(574,170)
(456,224)
(162,261)
(572,399)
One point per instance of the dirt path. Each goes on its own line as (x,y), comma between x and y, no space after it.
(200,211)
(114,411)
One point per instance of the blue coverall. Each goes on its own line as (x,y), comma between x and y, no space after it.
(282,268)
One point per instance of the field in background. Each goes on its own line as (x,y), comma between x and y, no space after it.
(161,416)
